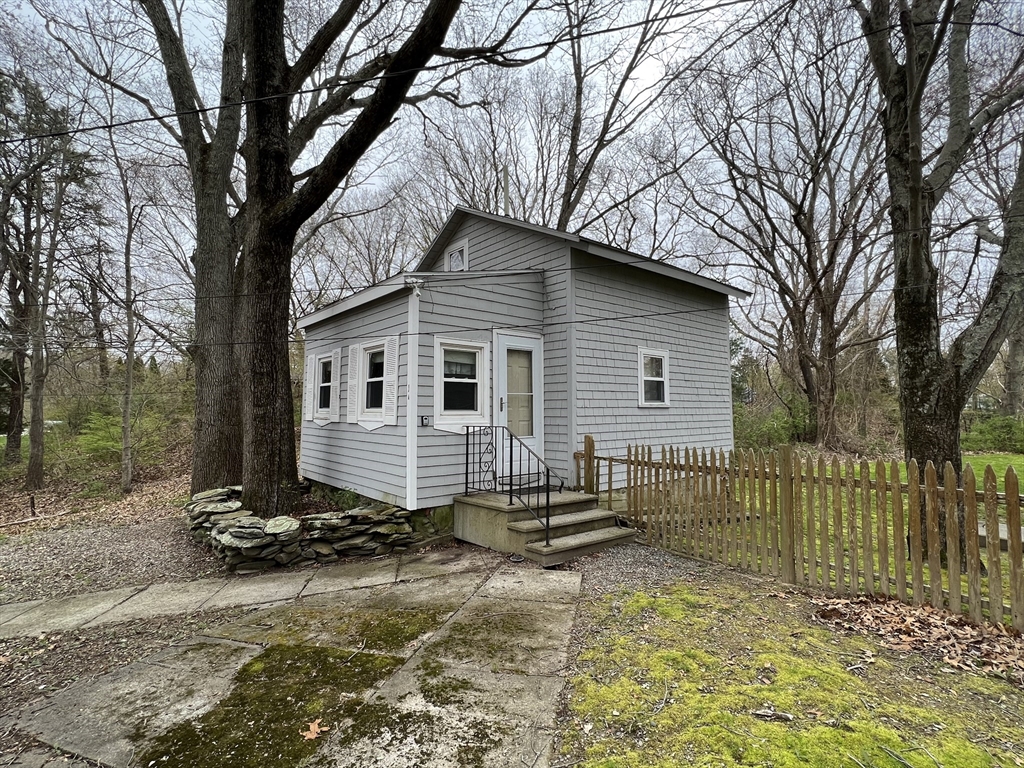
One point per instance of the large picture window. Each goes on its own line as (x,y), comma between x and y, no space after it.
(653,376)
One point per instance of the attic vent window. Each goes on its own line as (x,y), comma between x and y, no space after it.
(457,259)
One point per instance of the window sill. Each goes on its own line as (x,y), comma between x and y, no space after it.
(457,425)
(655,405)
(322,419)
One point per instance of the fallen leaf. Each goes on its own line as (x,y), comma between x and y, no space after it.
(315,729)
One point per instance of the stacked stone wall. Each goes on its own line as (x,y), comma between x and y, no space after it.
(247,543)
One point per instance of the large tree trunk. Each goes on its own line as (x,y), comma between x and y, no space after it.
(269,472)
(1013,374)
(34,474)
(19,354)
(217,451)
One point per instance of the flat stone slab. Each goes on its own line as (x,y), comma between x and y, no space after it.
(40,758)
(534,585)
(446,593)
(440,562)
(65,613)
(9,611)
(500,719)
(102,718)
(162,600)
(354,575)
(327,621)
(266,588)
(527,638)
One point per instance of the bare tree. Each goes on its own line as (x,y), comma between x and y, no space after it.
(945,71)
(790,184)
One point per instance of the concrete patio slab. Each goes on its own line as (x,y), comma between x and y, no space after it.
(440,562)
(162,600)
(10,610)
(267,588)
(65,613)
(105,717)
(338,621)
(354,575)
(441,592)
(534,585)
(508,717)
(527,638)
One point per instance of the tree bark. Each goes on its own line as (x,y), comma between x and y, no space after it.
(19,354)
(1013,374)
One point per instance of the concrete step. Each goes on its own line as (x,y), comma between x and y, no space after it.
(579,544)
(564,525)
(562,503)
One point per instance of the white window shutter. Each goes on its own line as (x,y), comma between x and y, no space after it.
(391,380)
(336,385)
(308,396)
(352,398)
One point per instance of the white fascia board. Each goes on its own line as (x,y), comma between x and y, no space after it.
(365,296)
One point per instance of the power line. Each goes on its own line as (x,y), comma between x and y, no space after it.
(482,55)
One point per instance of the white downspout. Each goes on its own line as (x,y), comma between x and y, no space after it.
(412,411)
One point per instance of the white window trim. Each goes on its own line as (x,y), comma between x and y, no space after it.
(323,415)
(369,414)
(357,412)
(452,247)
(313,411)
(457,422)
(663,354)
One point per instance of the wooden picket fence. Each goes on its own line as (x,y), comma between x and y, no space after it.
(830,523)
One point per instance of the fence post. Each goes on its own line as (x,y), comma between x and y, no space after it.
(788,565)
(588,463)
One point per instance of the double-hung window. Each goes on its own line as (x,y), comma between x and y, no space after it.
(325,374)
(321,396)
(460,384)
(373,383)
(373,393)
(653,377)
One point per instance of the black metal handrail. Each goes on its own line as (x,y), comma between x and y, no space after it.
(532,478)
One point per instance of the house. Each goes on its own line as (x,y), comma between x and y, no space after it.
(502,327)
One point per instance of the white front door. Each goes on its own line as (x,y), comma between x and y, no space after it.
(519,397)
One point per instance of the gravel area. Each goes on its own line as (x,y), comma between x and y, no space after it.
(71,561)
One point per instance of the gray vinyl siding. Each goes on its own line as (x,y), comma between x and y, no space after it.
(343,455)
(469,310)
(492,245)
(619,309)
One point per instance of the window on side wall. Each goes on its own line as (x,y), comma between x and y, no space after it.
(653,377)
(460,384)
(324,378)
(457,256)
(373,391)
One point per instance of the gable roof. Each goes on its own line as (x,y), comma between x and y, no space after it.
(593,247)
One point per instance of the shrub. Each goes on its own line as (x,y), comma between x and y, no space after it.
(1002,434)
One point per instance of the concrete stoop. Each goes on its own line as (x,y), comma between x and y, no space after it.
(578,527)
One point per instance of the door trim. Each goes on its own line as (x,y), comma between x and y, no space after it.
(538,379)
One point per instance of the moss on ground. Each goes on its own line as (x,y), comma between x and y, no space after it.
(275,697)
(674,678)
(386,631)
